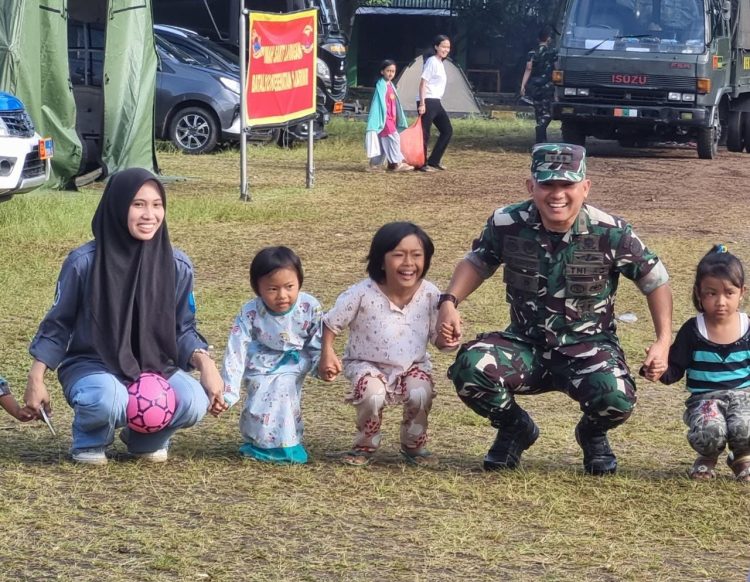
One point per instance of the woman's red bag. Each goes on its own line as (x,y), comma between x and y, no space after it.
(412,144)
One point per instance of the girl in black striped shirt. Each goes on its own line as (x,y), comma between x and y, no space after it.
(712,350)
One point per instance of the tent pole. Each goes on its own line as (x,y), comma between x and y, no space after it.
(310,161)
(244,190)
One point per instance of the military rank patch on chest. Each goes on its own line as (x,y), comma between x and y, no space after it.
(521,281)
(588,242)
(576,270)
(521,254)
(585,288)
(517,246)
(588,258)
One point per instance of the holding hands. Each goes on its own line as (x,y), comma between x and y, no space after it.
(214,387)
(36,395)
(655,364)
(329,366)
(211,381)
(448,326)
(11,405)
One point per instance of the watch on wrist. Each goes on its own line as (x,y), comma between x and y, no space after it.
(447,297)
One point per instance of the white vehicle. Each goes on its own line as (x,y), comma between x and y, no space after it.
(24,154)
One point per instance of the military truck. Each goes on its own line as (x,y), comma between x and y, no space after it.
(639,71)
(218,20)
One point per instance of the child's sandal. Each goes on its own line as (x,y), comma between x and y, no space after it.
(703,469)
(356,458)
(419,458)
(741,469)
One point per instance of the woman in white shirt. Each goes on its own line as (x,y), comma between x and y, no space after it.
(431,90)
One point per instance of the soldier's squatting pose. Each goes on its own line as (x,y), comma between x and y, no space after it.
(562,261)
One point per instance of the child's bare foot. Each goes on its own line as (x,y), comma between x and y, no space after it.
(703,469)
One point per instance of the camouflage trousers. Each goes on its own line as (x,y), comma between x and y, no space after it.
(543,93)
(490,370)
(717,419)
(543,114)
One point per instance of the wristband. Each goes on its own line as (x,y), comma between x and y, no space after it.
(447,297)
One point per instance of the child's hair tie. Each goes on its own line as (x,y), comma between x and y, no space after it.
(720,248)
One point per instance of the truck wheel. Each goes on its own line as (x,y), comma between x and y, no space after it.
(708,141)
(194,130)
(573,133)
(736,131)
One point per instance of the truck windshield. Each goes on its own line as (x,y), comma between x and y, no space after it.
(664,26)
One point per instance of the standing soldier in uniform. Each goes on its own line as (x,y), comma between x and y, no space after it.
(537,82)
(562,261)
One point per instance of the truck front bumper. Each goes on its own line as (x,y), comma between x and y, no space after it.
(677,114)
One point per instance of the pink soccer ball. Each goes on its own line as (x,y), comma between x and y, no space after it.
(151,403)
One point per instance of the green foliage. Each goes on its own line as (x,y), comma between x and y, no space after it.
(511,26)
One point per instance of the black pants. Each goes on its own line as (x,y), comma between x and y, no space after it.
(434,113)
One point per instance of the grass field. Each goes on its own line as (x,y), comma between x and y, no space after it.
(209,515)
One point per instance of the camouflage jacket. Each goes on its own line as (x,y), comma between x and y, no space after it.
(542,61)
(562,289)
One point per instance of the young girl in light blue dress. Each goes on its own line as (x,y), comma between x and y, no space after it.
(273,344)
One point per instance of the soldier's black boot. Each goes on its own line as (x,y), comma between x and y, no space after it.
(516,433)
(598,458)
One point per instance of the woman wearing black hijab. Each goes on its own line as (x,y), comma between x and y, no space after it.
(124,305)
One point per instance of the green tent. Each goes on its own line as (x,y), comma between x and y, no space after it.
(86,71)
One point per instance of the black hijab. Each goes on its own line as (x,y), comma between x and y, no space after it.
(132,285)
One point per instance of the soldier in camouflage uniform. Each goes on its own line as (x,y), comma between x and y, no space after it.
(537,83)
(562,261)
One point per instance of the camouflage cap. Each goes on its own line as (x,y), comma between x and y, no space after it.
(558,161)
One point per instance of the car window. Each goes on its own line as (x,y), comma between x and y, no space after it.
(215,48)
(201,48)
(202,57)
(174,52)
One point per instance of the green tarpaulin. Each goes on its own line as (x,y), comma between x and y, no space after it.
(34,52)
